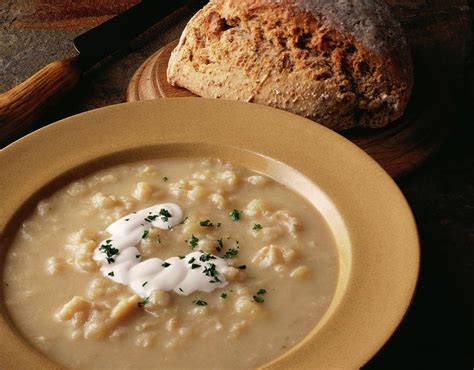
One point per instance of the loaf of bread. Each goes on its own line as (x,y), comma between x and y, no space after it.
(342,63)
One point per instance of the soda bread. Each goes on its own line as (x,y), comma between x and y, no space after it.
(343,63)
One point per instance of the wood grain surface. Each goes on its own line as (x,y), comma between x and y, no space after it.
(26,103)
(399,148)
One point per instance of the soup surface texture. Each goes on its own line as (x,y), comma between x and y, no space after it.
(277,258)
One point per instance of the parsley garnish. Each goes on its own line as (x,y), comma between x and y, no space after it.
(242,267)
(144,302)
(164,215)
(234,215)
(224,295)
(165,179)
(145,234)
(200,302)
(257,227)
(151,217)
(231,253)
(182,257)
(109,251)
(191,260)
(165,264)
(137,256)
(206,257)
(220,245)
(145,283)
(210,270)
(195,266)
(111,273)
(206,223)
(127,219)
(258,297)
(193,242)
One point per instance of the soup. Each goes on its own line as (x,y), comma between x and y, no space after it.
(173,263)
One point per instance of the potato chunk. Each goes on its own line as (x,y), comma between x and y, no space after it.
(256,207)
(290,223)
(102,201)
(124,308)
(301,272)
(144,191)
(272,255)
(76,304)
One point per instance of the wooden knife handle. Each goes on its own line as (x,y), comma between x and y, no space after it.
(24,104)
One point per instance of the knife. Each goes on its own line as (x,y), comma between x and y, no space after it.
(24,104)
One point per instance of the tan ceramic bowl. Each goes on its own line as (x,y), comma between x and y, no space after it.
(373,225)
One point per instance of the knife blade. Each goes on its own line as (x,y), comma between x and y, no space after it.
(25,103)
(103,40)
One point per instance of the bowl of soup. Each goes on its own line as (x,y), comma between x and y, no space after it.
(195,233)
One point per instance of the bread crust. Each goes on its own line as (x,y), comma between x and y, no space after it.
(343,63)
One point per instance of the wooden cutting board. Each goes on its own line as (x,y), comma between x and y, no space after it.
(399,148)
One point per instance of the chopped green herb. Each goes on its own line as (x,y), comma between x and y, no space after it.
(215,280)
(145,234)
(210,270)
(164,215)
(191,260)
(204,257)
(111,273)
(195,266)
(182,257)
(127,219)
(258,299)
(206,223)
(242,267)
(231,253)
(137,256)
(144,302)
(151,217)
(199,302)
(193,242)
(145,283)
(224,295)
(234,215)
(109,251)
(165,179)
(257,227)
(220,245)
(181,290)
(165,264)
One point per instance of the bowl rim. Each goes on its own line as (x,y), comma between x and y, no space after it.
(384,241)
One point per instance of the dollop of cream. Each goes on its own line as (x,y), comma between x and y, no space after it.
(120,259)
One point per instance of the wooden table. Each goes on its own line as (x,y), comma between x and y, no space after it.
(437,331)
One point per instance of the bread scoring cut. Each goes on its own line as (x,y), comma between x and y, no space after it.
(342,63)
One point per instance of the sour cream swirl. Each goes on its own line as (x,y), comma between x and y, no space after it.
(120,259)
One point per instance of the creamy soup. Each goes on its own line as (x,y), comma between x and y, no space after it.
(174,263)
